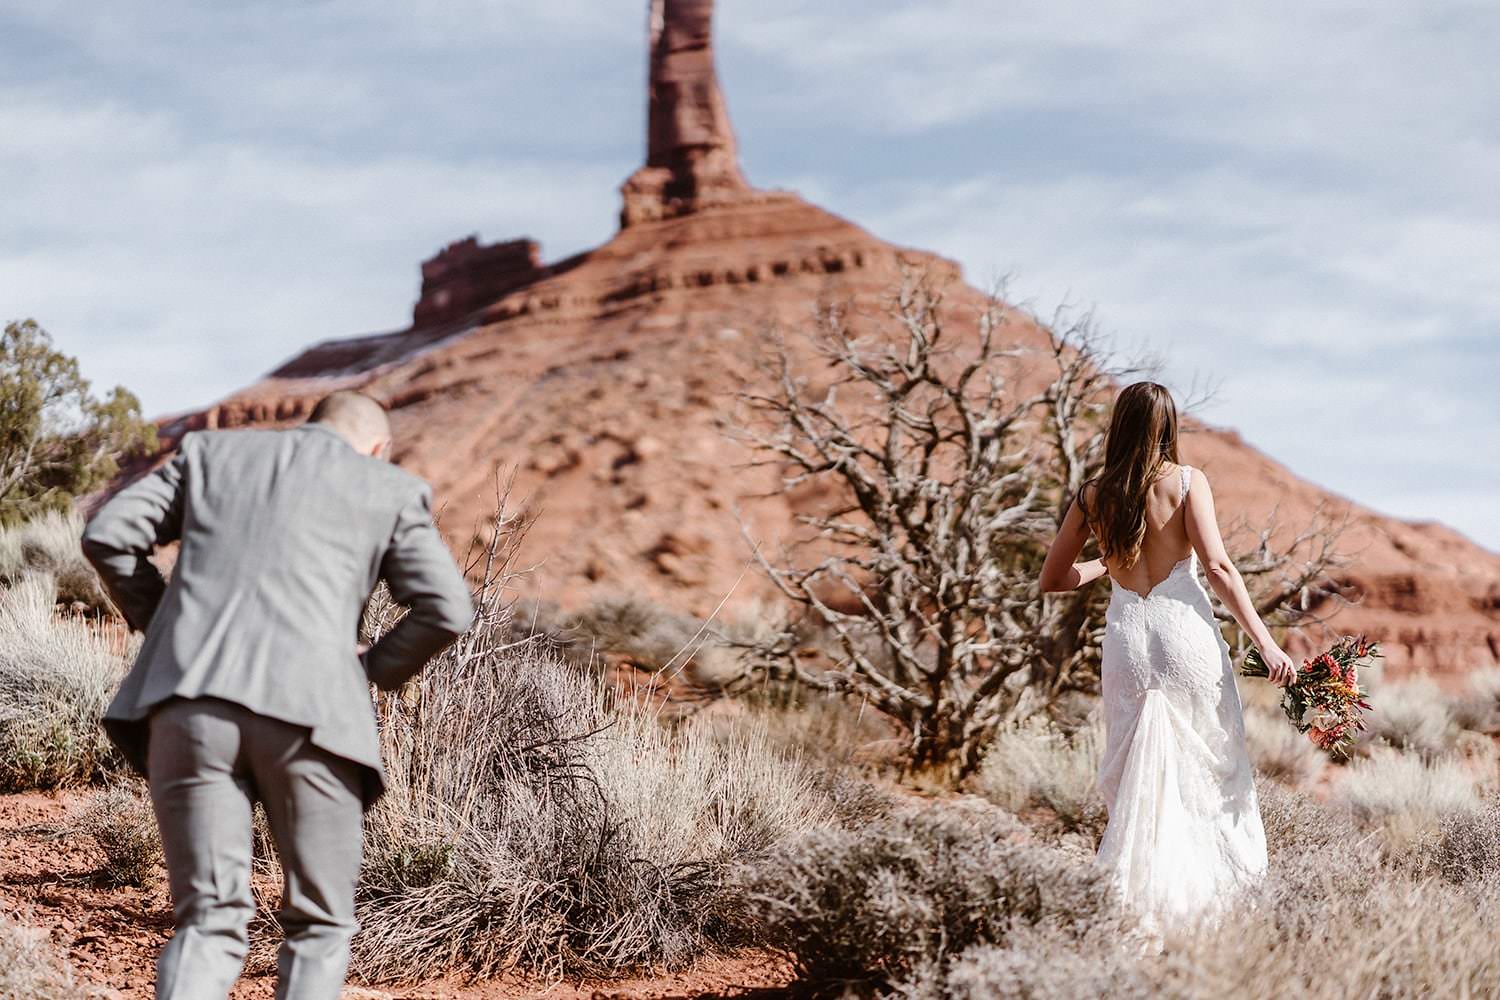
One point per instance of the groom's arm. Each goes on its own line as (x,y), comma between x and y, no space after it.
(120,538)
(423,577)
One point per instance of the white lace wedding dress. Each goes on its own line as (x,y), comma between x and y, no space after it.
(1184,831)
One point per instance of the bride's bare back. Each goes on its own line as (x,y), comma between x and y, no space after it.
(1166,543)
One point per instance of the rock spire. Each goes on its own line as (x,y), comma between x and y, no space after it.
(691,161)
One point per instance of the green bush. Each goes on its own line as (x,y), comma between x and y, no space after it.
(57,439)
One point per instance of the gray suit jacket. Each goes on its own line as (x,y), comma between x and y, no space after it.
(284,536)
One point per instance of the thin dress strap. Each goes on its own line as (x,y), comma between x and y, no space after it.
(1187,480)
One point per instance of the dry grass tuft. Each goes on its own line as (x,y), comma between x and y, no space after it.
(120,820)
(1413,715)
(1478,708)
(1279,751)
(1406,797)
(1034,763)
(648,635)
(48,546)
(831,730)
(56,677)
(30,969)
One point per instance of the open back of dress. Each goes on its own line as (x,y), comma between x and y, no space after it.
(1184,831)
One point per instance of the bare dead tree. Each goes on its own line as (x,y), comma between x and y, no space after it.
(924,574)
(1293,582)
(951,455)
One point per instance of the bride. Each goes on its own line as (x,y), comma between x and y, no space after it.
(1184,829)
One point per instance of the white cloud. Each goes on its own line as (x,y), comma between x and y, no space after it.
(185,269)
(1297,198)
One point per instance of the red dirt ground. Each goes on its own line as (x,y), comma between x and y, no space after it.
(48,879)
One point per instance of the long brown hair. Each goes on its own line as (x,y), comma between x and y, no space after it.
(1142,438)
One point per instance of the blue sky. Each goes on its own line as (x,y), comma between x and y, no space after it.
(1297,199)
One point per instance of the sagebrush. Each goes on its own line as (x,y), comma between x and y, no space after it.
(120,821)
(56,678)
(1036,763)
(535,823)
(907,893)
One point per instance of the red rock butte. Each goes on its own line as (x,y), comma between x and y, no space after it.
(605,380)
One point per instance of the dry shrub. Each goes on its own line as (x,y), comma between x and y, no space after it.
(1405,797)
(821,737)
(1279,751)
(1328,921)
(647,634)
(830,729)
(56,677)
(1467,846)
(30,969)
(47,545)
(1478,708)
(894,901)
(1037,964)
(532,824)
(1412,715)
(1318,927)
(1315,932)
(120,821)
(1296,823)
(1034,763)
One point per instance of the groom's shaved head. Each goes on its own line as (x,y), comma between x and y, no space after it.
(359,419)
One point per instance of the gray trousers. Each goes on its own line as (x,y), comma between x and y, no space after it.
(208,762)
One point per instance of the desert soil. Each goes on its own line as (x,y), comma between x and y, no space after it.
(49,878)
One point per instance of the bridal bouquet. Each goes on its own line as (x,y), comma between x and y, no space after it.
(1325,700)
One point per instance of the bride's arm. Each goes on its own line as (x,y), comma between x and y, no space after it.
(1060,572)
(1203,531)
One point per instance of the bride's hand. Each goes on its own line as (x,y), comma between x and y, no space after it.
(1279,667)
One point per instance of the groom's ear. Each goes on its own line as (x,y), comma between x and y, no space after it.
(381,449)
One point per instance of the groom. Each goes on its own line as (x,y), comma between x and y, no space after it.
(248,685)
